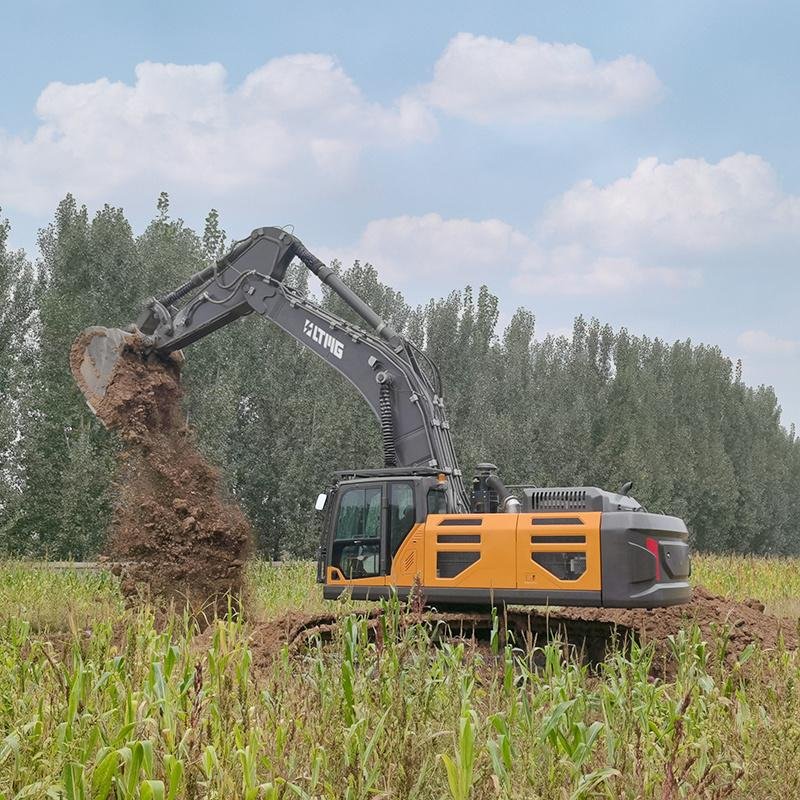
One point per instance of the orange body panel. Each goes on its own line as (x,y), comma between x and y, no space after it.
(496,568)
(532,575)
(505,547)
(410,558)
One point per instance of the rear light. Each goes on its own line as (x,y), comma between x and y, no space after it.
(652,546)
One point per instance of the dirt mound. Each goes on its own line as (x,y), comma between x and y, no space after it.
(295,629)
(742,622)
(172,529)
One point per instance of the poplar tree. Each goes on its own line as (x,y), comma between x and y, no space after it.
(88,275)
(597,407)
(17,305)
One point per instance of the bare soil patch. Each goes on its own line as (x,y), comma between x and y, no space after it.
(741,623)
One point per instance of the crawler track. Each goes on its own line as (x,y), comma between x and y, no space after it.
(525,630)
(589,633)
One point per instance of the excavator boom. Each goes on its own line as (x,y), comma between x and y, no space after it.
(386,369)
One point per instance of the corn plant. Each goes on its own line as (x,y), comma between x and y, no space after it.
(104,702)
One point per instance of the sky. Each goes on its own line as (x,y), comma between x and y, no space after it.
(631,161)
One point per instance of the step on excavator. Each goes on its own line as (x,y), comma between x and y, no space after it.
(413,526)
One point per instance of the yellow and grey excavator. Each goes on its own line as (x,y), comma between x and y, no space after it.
(413,525)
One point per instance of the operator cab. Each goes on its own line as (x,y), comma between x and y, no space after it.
(369,513)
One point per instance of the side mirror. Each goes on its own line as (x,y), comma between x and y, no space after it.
(320,504)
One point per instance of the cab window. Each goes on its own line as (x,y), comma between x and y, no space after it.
(402,514)
(360,513)
(437,501)
(357,540)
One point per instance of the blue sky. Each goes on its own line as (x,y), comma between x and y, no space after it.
(631,161)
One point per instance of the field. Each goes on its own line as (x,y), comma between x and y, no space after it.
(102,701)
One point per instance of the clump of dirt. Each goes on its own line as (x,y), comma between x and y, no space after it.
(173,533)
(740,623)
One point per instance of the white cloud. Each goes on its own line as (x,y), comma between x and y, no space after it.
(407,249)
(575,270)
(297,121)
(763,343)
(429,245)
(687,205)
(651,230)
(488,80)
(182,126)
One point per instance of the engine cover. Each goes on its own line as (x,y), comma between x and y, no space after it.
(576,498)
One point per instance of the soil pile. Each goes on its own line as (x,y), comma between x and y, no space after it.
(173,532)
(742,622)
(293,629)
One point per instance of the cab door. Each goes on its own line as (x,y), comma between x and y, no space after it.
(405,541)
(356,551)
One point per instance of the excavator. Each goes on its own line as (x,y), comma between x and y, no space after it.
(413,527)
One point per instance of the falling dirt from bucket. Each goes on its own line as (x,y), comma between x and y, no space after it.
(173,531)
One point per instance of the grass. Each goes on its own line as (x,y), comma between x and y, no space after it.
(101,702)
(774,581)
(276,588)
(47,599)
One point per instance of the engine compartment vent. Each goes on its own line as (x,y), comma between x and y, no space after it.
(565,566)
(574,498)
(558,500)
(451,563)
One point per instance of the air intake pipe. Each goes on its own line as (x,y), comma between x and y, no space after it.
(485,484)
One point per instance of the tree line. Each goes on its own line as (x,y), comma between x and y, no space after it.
(598,407)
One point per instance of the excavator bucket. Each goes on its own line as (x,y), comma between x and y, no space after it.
(93,358)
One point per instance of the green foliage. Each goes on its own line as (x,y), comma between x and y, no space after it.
(596,408)
(17,305)
(87,275)
(113,705)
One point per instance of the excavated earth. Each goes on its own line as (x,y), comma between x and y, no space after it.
(174,535)
(720,619)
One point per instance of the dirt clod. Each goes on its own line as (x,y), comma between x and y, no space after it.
(173,530)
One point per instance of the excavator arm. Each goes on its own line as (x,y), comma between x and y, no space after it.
(398,381)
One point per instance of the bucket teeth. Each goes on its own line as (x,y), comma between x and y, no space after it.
(93,358)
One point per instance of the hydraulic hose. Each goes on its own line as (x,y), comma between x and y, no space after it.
(198,279)
(507,500)
(387,426)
